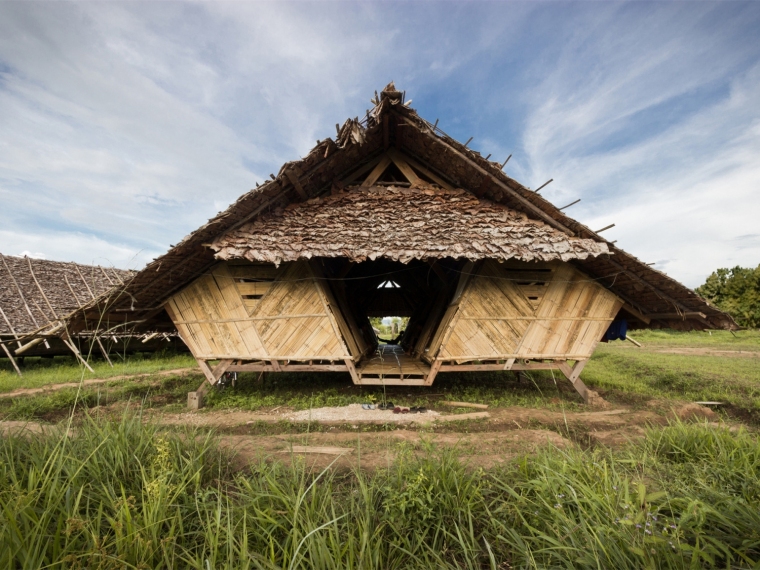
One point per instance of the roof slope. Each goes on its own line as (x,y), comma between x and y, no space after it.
(333,164)
(36,292)
(401,224)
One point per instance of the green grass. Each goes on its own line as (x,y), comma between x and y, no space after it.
(128,495)
(38,372)
(304,391)
(168,390)
(720,340)
(626,371)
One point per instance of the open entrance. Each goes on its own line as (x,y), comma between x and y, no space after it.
(397,307)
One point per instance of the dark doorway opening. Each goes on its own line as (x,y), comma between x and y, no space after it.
(415,293)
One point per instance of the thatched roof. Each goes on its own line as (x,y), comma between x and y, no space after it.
(401,224)
(334,164)
(37,292)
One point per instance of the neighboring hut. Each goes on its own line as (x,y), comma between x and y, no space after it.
(395,218)
(35,297)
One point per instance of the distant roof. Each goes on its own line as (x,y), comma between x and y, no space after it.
(391,126)
(37,292)
(401,224)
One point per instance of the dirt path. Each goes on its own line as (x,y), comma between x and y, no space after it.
(377,450)
(90,382)
(694,351)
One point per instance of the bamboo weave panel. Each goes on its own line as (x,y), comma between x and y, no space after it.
(280,327)
(497,320)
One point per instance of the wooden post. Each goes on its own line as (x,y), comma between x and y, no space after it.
(574,375)
(195,399)
(352,370)
(10,357)
(433,372)
(70,343)
(104,351)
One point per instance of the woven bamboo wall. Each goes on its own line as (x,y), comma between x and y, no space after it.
(526,310)
(256,312)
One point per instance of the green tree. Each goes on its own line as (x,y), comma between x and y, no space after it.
(736,291)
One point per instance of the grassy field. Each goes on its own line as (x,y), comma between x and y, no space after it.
(128,495)
(623,373)
(40,372)
(122,492)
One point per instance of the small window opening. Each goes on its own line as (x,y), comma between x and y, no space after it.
(389,285)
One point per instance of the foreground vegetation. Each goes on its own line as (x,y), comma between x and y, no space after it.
(127,495)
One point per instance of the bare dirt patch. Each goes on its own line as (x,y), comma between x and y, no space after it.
(379,449)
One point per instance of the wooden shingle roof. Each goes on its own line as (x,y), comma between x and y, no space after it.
(37,292)
(401,224)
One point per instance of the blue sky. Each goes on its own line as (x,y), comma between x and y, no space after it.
(123,127)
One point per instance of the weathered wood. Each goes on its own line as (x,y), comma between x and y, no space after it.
(403,166)
(384,162)
(70,343)
(296,184)
(636,313)
(464,405)
(13,361)
(289,368)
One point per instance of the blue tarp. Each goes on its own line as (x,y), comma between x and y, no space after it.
(617,330)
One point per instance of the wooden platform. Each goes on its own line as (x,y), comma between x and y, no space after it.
(390,365)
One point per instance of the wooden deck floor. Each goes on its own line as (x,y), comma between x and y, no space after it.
(391,362)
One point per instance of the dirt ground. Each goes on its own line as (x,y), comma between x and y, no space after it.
(481,439)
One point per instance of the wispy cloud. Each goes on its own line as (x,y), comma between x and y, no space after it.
(124,126)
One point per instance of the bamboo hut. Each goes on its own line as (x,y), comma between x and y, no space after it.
(36,296)
(394,217)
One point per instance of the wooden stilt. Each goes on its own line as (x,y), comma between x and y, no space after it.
(433,372)
(10,357)
(574,375)
(195,399)
(70,343)
(104,351)
(352,371)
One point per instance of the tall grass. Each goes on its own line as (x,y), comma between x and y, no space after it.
(127,495)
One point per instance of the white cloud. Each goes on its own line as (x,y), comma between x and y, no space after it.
(71,246)
(124,126)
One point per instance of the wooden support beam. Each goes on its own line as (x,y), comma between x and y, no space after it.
(352,370)
(434,369)
(263,367)
(527,204)
(496,366)
(678,316)
(70,343)
(574,375)
(403,166)
(10,326)
(13,361)
(633,311)
(296,184)
(104,351)
(426,172)
(380,167)
(213,374)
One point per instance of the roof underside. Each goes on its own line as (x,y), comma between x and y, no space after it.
(336,164)
(401,224)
